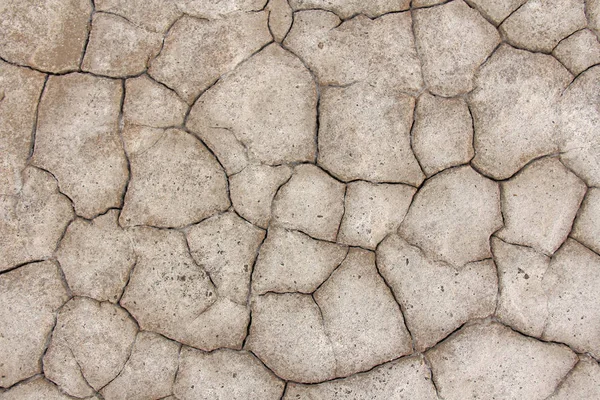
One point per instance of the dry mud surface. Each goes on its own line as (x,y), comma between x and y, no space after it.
(300,199)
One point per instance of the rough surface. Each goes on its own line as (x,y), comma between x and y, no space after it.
(453,216)
(30,296)
(508,365)
(514,108)
(405,379)
(198,51)
(436,298)
(579,51)
(268,104)
(452,40)
(77,140)
(97,337)
(299,199)
(540,24)
(372,211)
(224,374)
(375,121)
(442,135)
(32,223)
(118,48)
(539,205)
(96,257)
(357,309)
(164,191)
(311,202)
(49,36)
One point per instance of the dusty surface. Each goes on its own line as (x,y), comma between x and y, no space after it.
(300,200)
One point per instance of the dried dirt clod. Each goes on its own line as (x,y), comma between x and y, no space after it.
(360,315)
(489,360)
(436,298)
(453,40)
(583,382)
(20,90)
(224,374)
(118,48)
(539,25)
(97,336)
(78,140)
(49,36)
(32,223)
(453,216)
(364,133)
(149,372)
(30,296)
(96,257)
(579,51)
(197,52)
(269,104)
(288,335)
(168,178)
(311,202)
(407,378)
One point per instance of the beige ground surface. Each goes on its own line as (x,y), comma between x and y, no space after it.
(300,199)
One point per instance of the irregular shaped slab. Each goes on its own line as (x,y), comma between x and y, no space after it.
(252,191)
(226,247)
(579,51)
(487,361)
(381,51)
(442,135)
(586,228)
(453,216)
(38,388)
(361,317)
(50,36)
(118,48)
(293,262)
(540,24)
(269,104)
(280,18)
(407,378)
(197,52)
(20,90)
(436,298)
(152,104)
(287,334)
(152,15)
(224,374)
(364,133)
(592,11)
(168,178)
(98,335)
(32,223)
(78,140)
(539,205)
(583,382)
(346,9)
(452,40)
(514,110)
(218,9)
(496,10)
(96,257)
(580,127)
(311,202)
(573,312)
(30,296)
(372,211)
(166,289)
(150,371)
(522,302)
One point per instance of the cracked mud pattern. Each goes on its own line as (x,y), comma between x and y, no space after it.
(300,199)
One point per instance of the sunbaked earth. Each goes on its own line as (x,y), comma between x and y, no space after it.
(300,199)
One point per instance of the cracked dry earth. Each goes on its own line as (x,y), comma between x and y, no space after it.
(303,199)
